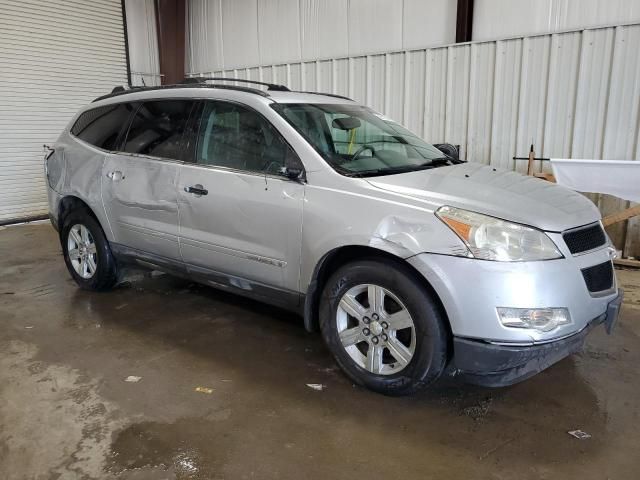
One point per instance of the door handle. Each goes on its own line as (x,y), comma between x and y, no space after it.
(197,190)
(115,175)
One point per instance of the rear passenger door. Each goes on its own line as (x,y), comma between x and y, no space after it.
(139,181)
(240,218)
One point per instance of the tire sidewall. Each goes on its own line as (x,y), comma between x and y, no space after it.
(104,276)
(431,336)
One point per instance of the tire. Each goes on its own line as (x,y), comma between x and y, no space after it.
(105,273)
(388,373)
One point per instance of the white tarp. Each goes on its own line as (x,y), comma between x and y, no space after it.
(615,177)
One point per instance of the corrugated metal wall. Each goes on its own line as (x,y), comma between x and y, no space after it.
(574,95)
(508,18)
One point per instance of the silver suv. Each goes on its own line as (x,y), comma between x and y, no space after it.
(410,262)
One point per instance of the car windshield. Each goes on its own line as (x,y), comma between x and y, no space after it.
(357,141)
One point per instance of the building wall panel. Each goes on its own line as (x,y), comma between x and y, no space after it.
(481,91)
(506,94)
(225,34)
(435,111)
(278,31)
(428,23)
(457,103)
(374,25)
(496,19)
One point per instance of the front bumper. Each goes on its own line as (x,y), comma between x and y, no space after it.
(493,365)
(471,290)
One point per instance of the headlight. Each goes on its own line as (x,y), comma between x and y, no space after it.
(541,319)
(490,238)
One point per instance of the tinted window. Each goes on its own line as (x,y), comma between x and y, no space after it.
(236,137)
(101,126)
(157,128)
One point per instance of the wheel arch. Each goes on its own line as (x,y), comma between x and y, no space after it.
(71,203)
(337,257)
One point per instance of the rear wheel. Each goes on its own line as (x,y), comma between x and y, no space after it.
(87,253)
(383,327)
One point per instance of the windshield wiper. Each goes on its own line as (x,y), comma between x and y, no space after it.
(389,170)
(433,163)
(437,162)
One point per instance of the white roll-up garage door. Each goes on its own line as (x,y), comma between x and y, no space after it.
(54,58)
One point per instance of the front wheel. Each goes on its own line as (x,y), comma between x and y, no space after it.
(383,327)
(87,253)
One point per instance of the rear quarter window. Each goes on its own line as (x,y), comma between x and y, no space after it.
(101,126)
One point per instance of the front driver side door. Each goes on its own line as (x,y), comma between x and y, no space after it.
(240,219)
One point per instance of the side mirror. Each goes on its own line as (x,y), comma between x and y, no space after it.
(293,173)
(449,150)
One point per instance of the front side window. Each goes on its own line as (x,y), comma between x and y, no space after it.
(101,126)
(356,141)
(157,129)
(237,137)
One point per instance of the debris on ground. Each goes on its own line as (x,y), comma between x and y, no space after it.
(479,410)
(316,386)
(579,434)
(132,379)
(206,390)
(28,327)
(121,306)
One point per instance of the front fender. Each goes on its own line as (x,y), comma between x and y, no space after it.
(361,215)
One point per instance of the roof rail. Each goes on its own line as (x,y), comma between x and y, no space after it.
(120,90)
(200,82)
(270,86)
(325,94)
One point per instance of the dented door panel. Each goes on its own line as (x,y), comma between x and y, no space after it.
(81,176)
(139,195)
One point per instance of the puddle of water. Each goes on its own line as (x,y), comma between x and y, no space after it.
(189,448)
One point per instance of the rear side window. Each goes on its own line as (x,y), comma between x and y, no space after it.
(157,129)
(101,126)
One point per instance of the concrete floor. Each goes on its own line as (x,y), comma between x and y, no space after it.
(66,410)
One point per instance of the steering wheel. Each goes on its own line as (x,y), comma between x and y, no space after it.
(362,149)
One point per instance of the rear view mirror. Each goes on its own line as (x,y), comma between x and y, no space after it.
(346,123)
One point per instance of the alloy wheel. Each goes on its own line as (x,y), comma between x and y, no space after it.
(81,248)
(376,329)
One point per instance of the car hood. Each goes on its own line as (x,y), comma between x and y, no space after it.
(499,193)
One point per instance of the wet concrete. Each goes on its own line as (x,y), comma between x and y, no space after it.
(66,410)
